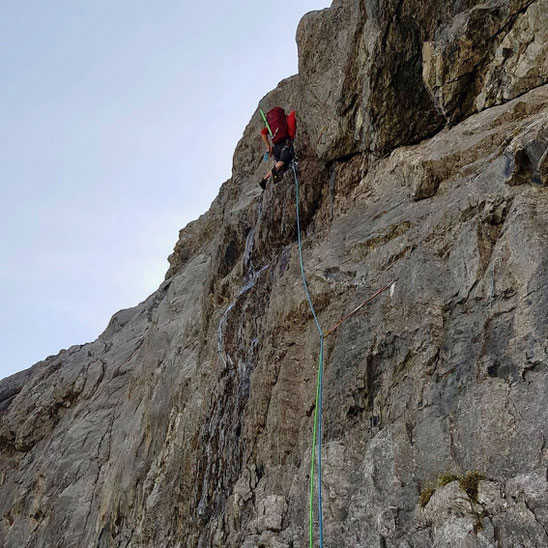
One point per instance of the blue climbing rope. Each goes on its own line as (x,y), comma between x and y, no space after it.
(303,275)
(317,434)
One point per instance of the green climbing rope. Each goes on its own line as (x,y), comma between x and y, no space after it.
(265,121)
(317,432)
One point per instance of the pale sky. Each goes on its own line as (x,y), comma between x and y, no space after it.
(118,125)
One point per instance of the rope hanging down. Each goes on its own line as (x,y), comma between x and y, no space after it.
(317,434)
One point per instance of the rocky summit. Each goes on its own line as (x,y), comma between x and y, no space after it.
(422,143)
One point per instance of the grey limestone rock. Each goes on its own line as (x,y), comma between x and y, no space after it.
(188,422)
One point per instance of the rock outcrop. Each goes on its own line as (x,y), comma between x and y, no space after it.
(423,131)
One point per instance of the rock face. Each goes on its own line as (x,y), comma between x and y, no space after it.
(423,130)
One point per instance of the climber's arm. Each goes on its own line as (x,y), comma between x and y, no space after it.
(266,141)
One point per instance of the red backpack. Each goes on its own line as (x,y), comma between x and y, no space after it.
(292,124)
(277,120)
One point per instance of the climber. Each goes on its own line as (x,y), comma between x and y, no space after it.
(282,132)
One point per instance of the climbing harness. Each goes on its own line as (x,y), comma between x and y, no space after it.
(317,432)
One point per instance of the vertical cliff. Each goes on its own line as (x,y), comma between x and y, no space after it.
(423,136)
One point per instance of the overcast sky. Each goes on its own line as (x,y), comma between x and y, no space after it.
(118,125)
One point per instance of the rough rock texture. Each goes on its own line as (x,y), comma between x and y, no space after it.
(422,141)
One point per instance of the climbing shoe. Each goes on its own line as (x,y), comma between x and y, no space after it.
(276,177)
(262,184)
